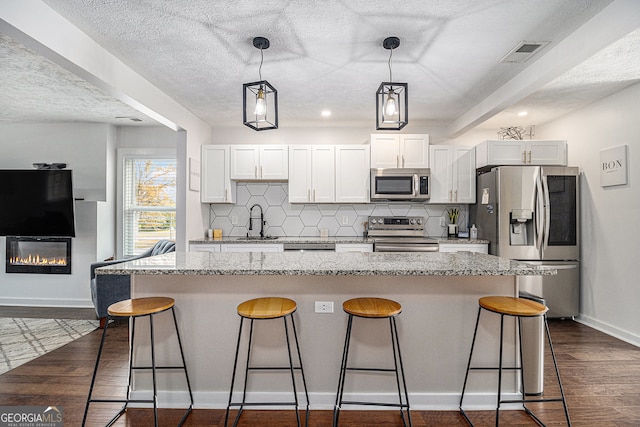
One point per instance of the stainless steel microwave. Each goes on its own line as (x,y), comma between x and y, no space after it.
(400,184)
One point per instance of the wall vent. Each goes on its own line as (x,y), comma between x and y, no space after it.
(523,52)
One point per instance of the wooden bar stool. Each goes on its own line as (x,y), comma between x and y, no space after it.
(264,309)
(134,308)
(519,308)
(374,308)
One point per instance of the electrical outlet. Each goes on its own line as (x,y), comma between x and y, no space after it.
(345,220)
(324,306)
(442,222)
(234,220)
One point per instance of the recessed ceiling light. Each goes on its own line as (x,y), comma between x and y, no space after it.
(325,113)
(522,113)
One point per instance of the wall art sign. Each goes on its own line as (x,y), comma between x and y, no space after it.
(613,166)
(194,174)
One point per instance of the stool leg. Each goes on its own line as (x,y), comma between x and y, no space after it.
(233,374)
(555,365)
(291,369)
(466,376)
(153,371)
(95,371)
(304,381)
(500,370)
(184,366)
(343,369)
(397,359)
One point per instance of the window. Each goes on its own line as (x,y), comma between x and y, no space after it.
(149,202)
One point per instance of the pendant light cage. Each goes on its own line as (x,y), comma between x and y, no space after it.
(397,92)
(260,99)
(251,93)
(392,100)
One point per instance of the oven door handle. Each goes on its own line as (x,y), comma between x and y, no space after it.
(390,247)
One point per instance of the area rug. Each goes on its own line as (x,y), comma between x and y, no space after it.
(22,340)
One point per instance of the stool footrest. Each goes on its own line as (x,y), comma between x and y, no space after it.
(263,404)
(271,368)
(157,367)
(371,369)
(532,400)
(393,405)
(121,400)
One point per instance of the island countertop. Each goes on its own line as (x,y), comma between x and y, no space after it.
(326,264)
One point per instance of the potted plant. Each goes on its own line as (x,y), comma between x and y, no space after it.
(453,222)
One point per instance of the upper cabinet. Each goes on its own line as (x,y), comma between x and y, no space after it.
(513,152)
(352,174)
(216,185)
(453,177)
(311,174)
(259,162)
(399,151)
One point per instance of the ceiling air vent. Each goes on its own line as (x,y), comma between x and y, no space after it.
(523,52)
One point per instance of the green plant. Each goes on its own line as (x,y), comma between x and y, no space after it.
(453,215)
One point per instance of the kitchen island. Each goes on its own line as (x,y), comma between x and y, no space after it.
(438,293)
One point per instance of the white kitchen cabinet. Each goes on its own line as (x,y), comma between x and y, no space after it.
(482,248)
(259,162)
(354,247)
(311,174)
(204,247)
(352,173)
(399,151)
(216,185)
(513,152)
(453,177)
(251,247)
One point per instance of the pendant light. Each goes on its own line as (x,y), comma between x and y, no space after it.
(260,99)
(392,102)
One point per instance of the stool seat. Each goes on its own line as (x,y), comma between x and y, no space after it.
(140,306)
(512,306)
(266,308)
(372,307)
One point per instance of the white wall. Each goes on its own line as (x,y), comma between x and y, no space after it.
(610,291)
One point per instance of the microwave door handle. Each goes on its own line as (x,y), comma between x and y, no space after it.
(416,186)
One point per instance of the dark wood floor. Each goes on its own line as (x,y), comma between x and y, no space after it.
(601,376)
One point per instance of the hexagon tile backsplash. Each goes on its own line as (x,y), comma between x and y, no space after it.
(306,220)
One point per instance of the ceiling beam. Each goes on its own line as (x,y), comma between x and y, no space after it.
(614,22)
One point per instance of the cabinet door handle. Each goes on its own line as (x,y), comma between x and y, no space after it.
(450,196)
(260,171)
(226,195)
(529,156)
(398,160)
(309,194)
(256,172)
(314,195)
(403,160)
(456,195)
(524,157)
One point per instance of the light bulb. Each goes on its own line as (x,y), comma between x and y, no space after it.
(261,103)
(390,105)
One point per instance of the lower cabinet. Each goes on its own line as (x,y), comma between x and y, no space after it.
(354,247)
(204,247)
(482,248)
(260,247)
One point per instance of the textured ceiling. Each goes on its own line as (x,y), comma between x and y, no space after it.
(323,54)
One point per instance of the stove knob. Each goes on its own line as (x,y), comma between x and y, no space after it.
(412,221)
(419,221)
(373,220)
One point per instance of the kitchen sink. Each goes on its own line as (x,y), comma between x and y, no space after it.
(257,238)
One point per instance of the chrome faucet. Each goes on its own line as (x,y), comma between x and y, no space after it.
(262,221)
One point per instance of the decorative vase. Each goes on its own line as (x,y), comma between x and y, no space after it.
(452,230)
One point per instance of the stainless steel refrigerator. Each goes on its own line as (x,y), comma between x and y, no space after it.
(531,213)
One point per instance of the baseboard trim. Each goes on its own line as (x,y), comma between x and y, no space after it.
(609,329)
(48,302)
(326,401)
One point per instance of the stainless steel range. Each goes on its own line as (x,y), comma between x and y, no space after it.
(400,234)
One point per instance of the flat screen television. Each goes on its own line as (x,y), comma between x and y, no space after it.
(36,203)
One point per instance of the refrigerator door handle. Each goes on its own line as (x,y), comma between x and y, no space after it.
(547,214)
(539,206)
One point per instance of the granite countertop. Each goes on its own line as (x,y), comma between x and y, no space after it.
(334,239)
(327,264)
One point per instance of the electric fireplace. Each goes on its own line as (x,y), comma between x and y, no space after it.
(38,255)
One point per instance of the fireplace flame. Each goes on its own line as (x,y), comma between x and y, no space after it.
(37,260)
